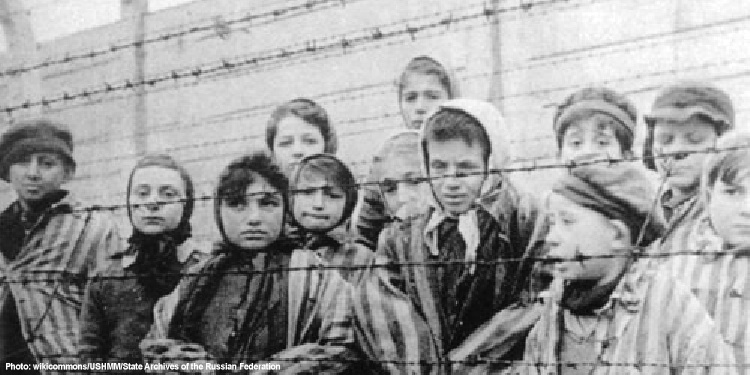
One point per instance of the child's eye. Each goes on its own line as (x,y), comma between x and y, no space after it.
(285,143)
(438,166)
(604,142)
(410,97)
(731,191)
(236,202)
(269,202)
(695,139)
(665,139)
(169,194)
(310,141)
(575,143)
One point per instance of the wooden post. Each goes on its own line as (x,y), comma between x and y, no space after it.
(19,35)
(135,12)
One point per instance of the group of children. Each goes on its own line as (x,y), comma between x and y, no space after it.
(438,263)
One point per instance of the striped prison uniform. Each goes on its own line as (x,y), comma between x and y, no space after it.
(721,282)
(47,278)
(652,324)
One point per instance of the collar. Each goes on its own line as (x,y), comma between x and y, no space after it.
(628,294)
(185,251)
(672,201)
(468,227)
(69,205)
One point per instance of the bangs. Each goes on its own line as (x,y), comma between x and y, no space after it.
(734,167)
(334,173)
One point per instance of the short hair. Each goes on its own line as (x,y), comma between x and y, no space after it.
(402,147)
(624,136)
(449,124)
(240,173)
(166,161)
(427,66)
(309,112)
(333,171)
(729,165)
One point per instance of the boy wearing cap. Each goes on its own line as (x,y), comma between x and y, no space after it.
(49,245)
(447,268)
(686,119)
(607,311)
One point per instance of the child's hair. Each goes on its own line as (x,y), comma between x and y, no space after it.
(729,165)
(618,192)
(450,124)
(710,103)
(334,171)
(167,162)
(428,66)
(240,173)
(621,115)
(403,147)
(309,112)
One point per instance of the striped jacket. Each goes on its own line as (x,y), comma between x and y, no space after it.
(47,278)
(396,316)
(651,325)
(680,215)
(319,317)
(721,283)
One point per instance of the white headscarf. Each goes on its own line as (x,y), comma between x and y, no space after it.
(493,124)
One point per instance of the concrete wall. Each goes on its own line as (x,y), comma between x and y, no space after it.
(547,50)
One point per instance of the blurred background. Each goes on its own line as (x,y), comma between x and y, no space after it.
(198,79)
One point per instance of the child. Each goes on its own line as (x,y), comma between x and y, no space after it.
(595,122)
(243,305)
(423,85)
(720,277)
(46,234)
(417,313)
(322,199)
(685,118)
(613,313)
(393,183)
(297,129)
(117,309)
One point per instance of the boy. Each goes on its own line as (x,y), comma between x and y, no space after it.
(417,312)
(609,312)
(686,117)
(45,235)
(595,122)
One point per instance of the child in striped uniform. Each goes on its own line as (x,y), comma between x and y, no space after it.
(720,277)
(322,198)
(607,311)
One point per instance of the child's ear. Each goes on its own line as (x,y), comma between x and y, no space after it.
(622,236)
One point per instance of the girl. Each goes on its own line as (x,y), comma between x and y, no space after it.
(117,310)
(720,277)
(608,312)
(323,198)
(297,129)
(423,85)
(245,307)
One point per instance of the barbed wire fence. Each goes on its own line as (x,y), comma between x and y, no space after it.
(459,19)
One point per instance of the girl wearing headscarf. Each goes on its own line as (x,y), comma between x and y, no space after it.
(422,86)
(245,305)
(323,196)
(475,229)
(608,311)
(118,304)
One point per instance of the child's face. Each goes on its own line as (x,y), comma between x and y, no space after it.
(255,220)
(682,172)
(451,158)
(729,211)
(157,184)
(37,175)
(421,94)
(590,137)
(296,139)
(318,204)
(575,231)
(399,183)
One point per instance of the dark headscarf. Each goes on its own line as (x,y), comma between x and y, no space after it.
(156,262)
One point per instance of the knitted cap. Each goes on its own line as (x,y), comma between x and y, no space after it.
(619,192)
(684,100)
(31,137)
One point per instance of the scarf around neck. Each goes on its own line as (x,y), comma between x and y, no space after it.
(156,263)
